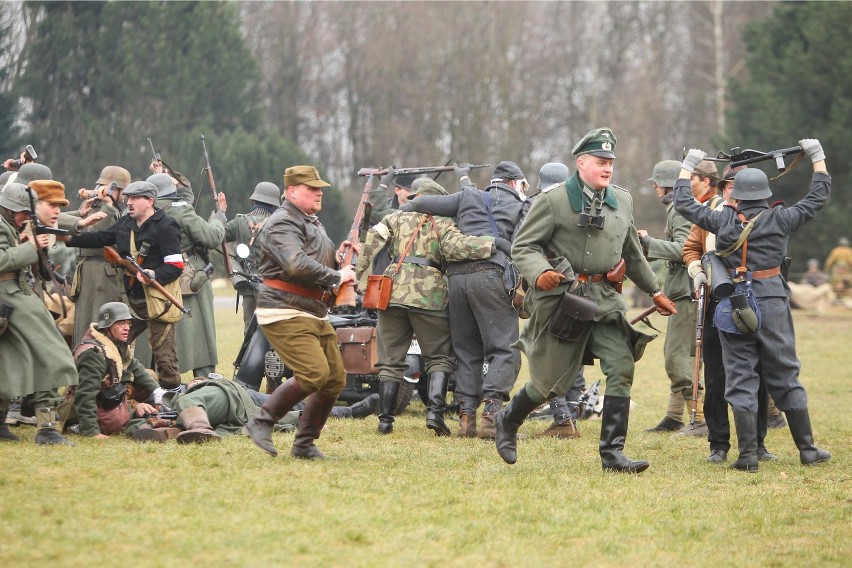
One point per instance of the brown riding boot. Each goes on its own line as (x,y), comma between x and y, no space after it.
(197,424)
(487,430)
(279,403)
(467,424)
(563,425)
(317,409)
(147,433)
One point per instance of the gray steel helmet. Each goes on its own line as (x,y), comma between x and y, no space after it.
(116,174)
(552,173)
(164,183)
(751,184)
(14,197)
(426,186)
(4,177)
(32,171)
(666,173)
(112,312)
(267,192)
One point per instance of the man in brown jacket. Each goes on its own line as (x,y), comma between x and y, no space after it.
(298,266)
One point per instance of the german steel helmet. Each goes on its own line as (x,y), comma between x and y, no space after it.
(116,174)
(267,192)
(112,312)
(164,183)
(14,197)
(665,173)
(751,184)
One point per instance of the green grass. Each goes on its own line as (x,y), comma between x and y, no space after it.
(411,499)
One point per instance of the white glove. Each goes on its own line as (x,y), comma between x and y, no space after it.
(812,148)
(692,159)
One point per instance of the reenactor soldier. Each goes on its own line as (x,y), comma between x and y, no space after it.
(679,348)
(244,229)
(586,227)
(419,246)
(759,332)
(196,336)
(113,385)
(482,316)
(299,269)
(34,359)
(96,281)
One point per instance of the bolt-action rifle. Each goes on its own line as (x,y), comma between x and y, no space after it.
(224,248)
(181,179)
(111,255)
(699,345)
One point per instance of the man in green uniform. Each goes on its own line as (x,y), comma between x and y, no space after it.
(33,356)
(106,368)
(586,228)
(679,348)
(418,302)
(244,229)
(97,281)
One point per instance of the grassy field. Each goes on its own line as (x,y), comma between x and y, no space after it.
(412,499)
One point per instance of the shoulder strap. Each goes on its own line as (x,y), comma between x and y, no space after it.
(491,215)
(411,241)
(742,238)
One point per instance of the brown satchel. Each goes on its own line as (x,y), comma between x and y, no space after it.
(378,292)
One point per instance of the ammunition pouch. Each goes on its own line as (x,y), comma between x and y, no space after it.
(718,276)
(511,279)
(5,313)
(738,313)
(572,317)
(112,396)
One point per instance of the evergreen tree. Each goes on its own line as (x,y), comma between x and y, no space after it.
(8,106)
(800,86)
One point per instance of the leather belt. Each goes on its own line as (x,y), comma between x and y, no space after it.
(418,260)
(311,293)
(768,273)
(8,276)
(593,278)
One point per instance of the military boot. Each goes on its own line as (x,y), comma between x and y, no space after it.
(467,416)
(614,419)
(774,417)
(745,422)
(361,409)
(276,406)
(563,425)
(316,412)
(197,428)
(487,430)
(388,401)
(436,403)
(507,422)
(147,433)
(697,428)
(5,434)
(673,421)
(800,428)
(47,434)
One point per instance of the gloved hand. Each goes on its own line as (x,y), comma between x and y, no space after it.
(549,279)
(461,170)
(692,159)
(665,306)
(503,246)
(387,179)
(698,281)
(812,148)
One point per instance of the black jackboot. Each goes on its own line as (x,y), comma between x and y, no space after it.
(746,424)
(388,400)
(5,434)
(48,434)
(361,409)
(276,406)
(800,428)
(436,404)
(614,418)
(507,422)
(313,418)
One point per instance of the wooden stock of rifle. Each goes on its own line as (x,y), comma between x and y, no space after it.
(699,345)
(347,296)
(644,315)
(111,255)
(223,248)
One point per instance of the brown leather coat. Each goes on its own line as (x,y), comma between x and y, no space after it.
(295,248)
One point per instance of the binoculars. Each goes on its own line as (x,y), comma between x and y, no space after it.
(596,221)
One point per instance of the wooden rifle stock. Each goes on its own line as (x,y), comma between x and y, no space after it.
(643,315)
(111,255)
(347,296)
(224,248)
(699,344)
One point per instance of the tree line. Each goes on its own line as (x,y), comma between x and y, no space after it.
(347,85)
